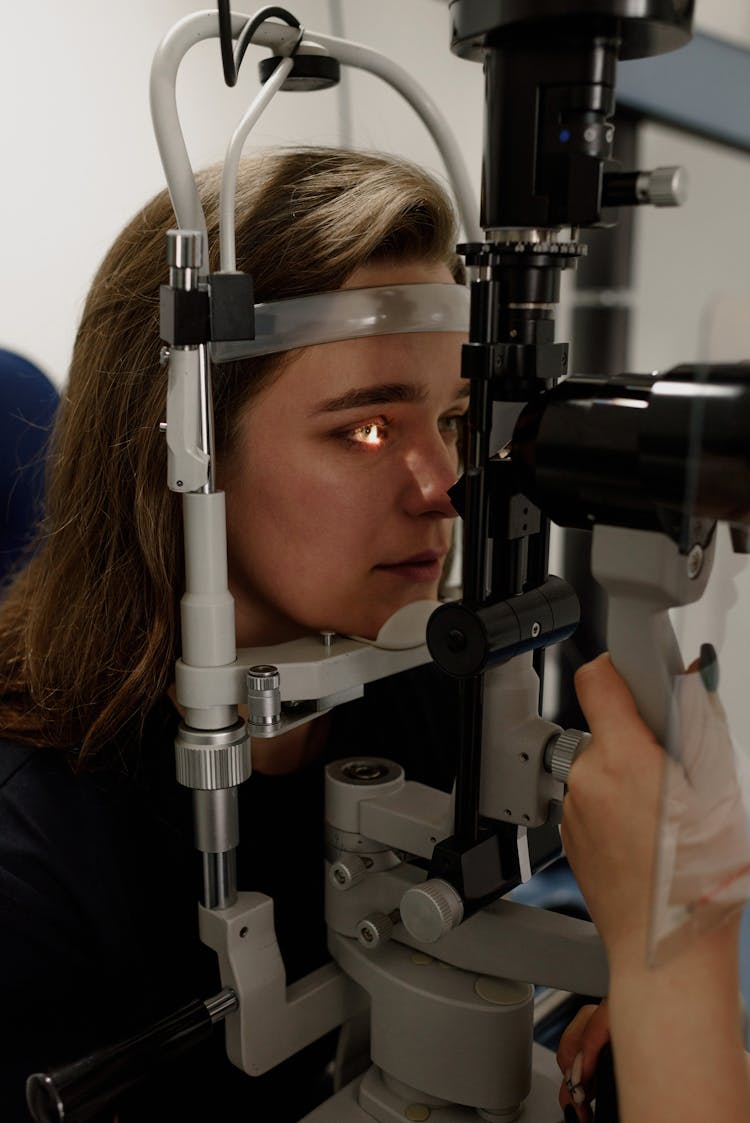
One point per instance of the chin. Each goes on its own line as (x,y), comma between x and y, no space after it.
(369,629)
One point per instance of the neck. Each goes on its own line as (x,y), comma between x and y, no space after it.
(287,753)
(292,751)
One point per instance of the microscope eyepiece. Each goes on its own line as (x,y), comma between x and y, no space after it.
(640,453)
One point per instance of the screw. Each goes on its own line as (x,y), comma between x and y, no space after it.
(162,426)
(243,932)
(364,771)
(327,638)
(164,356)
(536,628)
(694,562)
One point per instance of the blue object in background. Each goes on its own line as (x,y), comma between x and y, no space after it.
(28,401)
(553,888)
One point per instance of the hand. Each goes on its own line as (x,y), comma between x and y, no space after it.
(577,1055)
(620,788)
(677,1022)
(610,811)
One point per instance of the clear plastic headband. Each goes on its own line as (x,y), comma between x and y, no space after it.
(327,317)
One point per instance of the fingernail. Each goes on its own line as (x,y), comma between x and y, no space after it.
(576,1071)
(578,1095)
(571,1116)
(709,667)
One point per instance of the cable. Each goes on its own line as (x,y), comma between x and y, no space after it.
(252,26)
(346,131)
(232,159)
(232,61)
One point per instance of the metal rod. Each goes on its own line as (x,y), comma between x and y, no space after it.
(219,879)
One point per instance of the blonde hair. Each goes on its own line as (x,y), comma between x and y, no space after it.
(89,630)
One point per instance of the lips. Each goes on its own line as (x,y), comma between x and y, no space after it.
(426,566)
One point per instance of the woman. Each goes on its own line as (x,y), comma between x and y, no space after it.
(336,461)
(675,1028)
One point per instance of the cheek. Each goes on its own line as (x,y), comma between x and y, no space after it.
(311,505)
(318,482)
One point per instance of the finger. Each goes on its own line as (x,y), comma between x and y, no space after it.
(576,1113)
(606,701)
(596,1036)
(570,1043)
(578,1054)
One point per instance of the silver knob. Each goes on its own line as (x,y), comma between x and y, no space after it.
(430,910)
(264,695)
(376,928)
(211,759)
(562,750)
(184,249)
(662,187)
(347,872)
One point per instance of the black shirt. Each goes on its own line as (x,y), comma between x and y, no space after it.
(98,891)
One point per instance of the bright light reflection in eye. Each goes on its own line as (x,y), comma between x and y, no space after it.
(370,434)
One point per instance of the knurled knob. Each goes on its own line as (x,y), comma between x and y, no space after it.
(374,930)
(184,249)
(562,751)
(663,187)
(263,676)
(430,910)
(264,694)
(347,872)
(208,760)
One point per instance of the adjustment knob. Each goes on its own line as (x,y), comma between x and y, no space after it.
(662,187)
(562,751)
(375,929)
(430,910)
(347,872)
(184,249)
(210,759)
(264,695)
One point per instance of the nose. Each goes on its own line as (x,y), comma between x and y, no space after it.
(431,469)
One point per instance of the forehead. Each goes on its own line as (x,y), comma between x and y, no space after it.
(429,360)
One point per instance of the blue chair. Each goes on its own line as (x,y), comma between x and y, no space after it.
(28,401)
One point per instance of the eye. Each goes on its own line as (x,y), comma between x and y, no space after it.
(452,425)
(372,434)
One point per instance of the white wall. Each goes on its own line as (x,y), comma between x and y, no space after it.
(728,19)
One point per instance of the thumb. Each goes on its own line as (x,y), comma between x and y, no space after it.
(606,701)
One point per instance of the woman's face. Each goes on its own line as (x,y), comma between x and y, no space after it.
(337,505)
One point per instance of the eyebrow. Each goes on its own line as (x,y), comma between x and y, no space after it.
(384,394)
